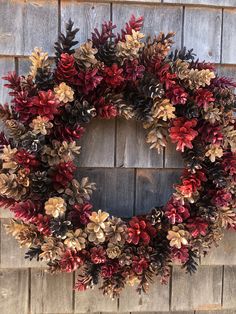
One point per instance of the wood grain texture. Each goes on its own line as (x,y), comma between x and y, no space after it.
(51,293)
(201,291)
(40,25)
(98,144)
(173,158)
(7,64)
(202,32)
(14,291)
(12,256)
(94,301)
(11,34)
(221,3)
(115,189)
(132,149)
(156,18)
(154,187)
(229,293)
(225,254)
(217,312)
(156,300)
(228,40)
(86,16)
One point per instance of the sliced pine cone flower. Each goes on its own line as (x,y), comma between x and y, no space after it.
(97,226)
(41,125)
(113,75)
(76,239)
(177,237)
(55,206)
(85,55)
(51,249)
(64,93)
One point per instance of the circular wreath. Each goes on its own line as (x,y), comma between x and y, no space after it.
(117,75)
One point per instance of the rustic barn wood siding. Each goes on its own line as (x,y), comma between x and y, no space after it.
(130,177)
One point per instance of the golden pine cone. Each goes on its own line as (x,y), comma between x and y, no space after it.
(97,226)
(85,54)
(10,188)
(76,239)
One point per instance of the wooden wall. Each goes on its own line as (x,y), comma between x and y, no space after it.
(130,177)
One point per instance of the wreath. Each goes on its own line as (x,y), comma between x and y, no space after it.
(173,95)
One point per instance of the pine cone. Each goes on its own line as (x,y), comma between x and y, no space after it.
(124,109)
(76,239)
(141,105)
(66,42)
(5,112)
(81,111)
(66,71)
(116,231)
(107,53)
(15,128)
(32,142)
(97,227)
(151,87)
(44,79)
(10,188)
(60,227)
(85,55)
(155,216)
(217,174)
(39,60)
(39,182)
(51,249)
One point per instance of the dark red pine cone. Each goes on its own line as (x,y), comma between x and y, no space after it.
(139,265)
(63,174)
(211,133)
(229,163)
(14,83)
(203,97)
(22,105)
(98,255)
(88,80)
(67,132)
(133,70)
(197,226)
(45,104)
(166,77)
(80,214)
(113,75)
(181,254)
(70,261)
(26,159)
(66,71)
(25,210)
(140,230)
(109,269)
(221,198)
(175,211)
(42,223)
(106,110)
(177,95)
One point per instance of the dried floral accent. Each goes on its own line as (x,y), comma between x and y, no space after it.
(129,48)
(214,151)
(177,237)
(41,125)
(163,110)
(85,54)
(64,93)
(113,251)
(97,226)
(55,206)
(76,240)
(39,60)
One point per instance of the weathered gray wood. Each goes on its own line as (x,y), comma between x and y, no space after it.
(201,291)
(173,158)
(114,189)
(154,187)
(229,293)
(5,213)
(227,70)
(11,41)
(40,25)
(225,254)
(157,299)
(202,32)
(132,149)
(98,144)
(93,301)
(156,18)
(7,64)
(217,312)
(229,28)
(221,3)
(12,256)
(51,293)
(86,16)
(14,291)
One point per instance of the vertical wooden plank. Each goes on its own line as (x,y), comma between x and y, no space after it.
(98,144)
(86,16)
(11,33)
(157,299)
(223,3)
(225,254)
(132,149)
(202,32)
(229,293)
(40,28)
(7,64)
(228,42)
(173,158)
(14,291)
(114,191)
(201,291)
(51,293)
(12,256)
(157,18)
(94,301)
(153,188)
